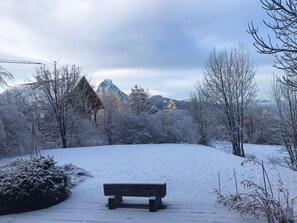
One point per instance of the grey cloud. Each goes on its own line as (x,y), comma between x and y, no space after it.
(165,34)
(133,34)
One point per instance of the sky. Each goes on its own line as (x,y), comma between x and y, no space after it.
(160,45)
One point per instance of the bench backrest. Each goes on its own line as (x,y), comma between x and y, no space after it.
(135,190)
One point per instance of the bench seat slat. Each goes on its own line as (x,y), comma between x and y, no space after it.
(135,190)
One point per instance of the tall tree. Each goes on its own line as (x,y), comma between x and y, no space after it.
(201,112)
(56,86)
(229,82)
(286,121)
(282,44)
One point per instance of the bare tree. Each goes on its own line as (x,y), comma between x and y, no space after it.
(258,125)
(201,112)
(283,14)
(110,115)
(229,84)
(63,110)
(173,126)
(286,121)
(283,46)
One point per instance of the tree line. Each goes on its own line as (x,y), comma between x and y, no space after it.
(62,119)
(56,104)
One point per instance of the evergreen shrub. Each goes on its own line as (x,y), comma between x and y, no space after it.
(32,184)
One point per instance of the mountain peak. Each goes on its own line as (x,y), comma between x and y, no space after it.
(107,86)
(107,81)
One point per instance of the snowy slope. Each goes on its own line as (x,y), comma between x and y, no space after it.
(190,172)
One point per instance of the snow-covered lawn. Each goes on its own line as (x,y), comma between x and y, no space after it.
(190,172)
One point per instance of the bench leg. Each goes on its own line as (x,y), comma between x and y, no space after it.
(155,203)
(114,201)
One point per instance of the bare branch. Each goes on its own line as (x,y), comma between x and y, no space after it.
(283,44)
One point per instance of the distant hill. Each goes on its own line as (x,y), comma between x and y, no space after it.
(161,103)
(107,86)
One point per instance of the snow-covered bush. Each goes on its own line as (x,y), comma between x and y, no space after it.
(32,184)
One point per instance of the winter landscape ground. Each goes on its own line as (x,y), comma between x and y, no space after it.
(190,172)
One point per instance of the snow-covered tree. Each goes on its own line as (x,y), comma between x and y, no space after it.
(202,113)
(229,83)
(68,104)
(259,127)
(139,101)
(174,126)
(56,86)
(133,129)
(109,116)
(285,97)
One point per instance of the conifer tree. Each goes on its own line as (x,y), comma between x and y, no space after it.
(139,101)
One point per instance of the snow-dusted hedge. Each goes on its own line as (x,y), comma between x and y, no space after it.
(32,184)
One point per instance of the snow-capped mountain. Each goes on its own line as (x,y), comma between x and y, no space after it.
(107,86)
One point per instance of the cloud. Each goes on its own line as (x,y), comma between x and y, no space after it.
(126,33)
(130,40)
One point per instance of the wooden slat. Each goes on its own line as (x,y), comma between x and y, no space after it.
(135,190)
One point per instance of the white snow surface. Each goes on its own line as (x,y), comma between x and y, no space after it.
(190,172)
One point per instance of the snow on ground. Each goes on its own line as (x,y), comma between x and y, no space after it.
(190,172)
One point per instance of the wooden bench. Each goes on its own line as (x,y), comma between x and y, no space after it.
(155,192)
